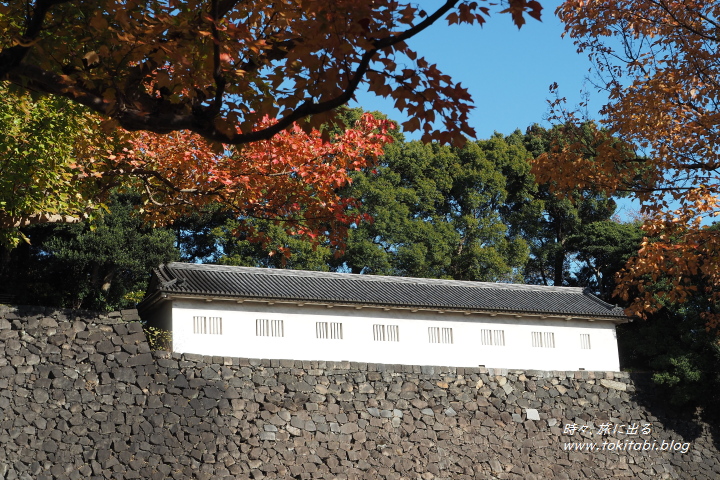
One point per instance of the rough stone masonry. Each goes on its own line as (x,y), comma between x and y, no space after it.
(82,396)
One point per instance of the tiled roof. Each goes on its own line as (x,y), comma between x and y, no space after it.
(219,281)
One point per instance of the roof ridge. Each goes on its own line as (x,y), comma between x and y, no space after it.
(592,296)
(162,273)
(375,278)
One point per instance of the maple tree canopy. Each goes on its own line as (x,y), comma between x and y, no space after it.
(293,179)
(659,61)
(41,145)
(56,167)
(218,67)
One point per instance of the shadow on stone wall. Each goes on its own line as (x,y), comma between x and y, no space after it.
(82,396)
(688,424)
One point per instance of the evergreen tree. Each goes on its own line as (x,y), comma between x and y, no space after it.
(100,265)
(442,212)
(552,224)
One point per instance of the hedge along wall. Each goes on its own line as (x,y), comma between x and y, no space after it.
(82,396)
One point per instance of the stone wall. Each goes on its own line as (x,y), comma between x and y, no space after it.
(82,396)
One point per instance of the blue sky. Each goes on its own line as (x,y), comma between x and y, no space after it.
(507,71)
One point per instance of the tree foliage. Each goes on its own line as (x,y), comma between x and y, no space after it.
(659,61)
(235,247)
(293,179)
(467,213)
(103,264)
(557,224)
(289,185)
(220,67)
(441,212)
(42,175)
(682,355)
(437,211)
(56,166)
(601,249)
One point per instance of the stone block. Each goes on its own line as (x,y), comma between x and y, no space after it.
(613,384)
(140,359)
(532,414)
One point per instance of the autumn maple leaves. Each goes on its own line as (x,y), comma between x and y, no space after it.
(659,61)
(293,178)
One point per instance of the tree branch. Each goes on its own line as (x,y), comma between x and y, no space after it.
(155,115)
(309,108)
(7,221)
(11,57)
(218,77)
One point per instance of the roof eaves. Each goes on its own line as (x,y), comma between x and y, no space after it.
(229,296)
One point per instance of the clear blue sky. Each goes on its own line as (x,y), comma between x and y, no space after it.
(507,71)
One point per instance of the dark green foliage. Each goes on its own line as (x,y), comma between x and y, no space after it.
(442,212)
(196,236)
(471,213)
(600,250)
(438,212)
(100,266)
(238,250)
(683,357)
(551,224)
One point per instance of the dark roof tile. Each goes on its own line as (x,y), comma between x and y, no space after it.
(341,288)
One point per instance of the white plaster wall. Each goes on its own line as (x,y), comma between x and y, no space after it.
(239,339)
